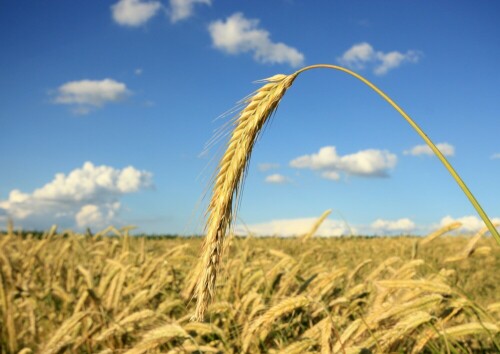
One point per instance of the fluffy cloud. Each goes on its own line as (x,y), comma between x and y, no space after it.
(86,196)
(87,94)
(294,227)
(182,9)
(266,166)
(362,54)
(381,226)
(333,175)
(134,12)
(470,223)
(240,35)
(277,179)
(97,216)
(366,163)
(495,156)
(445,148)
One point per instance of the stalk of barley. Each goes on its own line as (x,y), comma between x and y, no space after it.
(231,170)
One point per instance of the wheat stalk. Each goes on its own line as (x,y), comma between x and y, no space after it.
(231,170)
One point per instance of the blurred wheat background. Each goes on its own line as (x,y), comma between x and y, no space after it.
(63,292)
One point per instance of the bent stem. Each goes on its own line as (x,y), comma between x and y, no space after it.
(420,132)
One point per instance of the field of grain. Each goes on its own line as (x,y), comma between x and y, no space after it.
(71,293)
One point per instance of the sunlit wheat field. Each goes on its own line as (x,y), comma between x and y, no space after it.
(302,177)
(63,292)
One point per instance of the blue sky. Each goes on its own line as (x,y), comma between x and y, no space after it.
(107,105)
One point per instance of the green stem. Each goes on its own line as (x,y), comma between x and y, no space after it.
(420,132)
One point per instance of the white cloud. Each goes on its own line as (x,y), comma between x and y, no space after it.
(87,94)
(333,175)
(266,166)
(294,227)
(445,148)
(362,54)
(182,9)
(134,12)
(138,71)
(91,215)
(381,226)
(86,194)
(358,55)
(367,163)
(240,35)
(495,156)
(277,179)
(470,223)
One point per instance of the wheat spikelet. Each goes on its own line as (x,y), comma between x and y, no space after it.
(495,307)
(324,284)
(326,337)
(470,328)
(261,324)
(158,336)
(61,338)
(298,347)
(168,305)
(203,329)
(87,276)
(425,285)
(482,251)
(440,232)
(25,351)
(402,329)
(112,270)
(119,288)
(385,264)
(345,337)
(357,269)
(470,247)
(228,179)
(194,348)
(404,308)
(127,321)
(316,226)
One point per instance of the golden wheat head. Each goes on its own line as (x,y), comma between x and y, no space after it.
(229,176)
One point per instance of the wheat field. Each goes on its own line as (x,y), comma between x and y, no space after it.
(63,292)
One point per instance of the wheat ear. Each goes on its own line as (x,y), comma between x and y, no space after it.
(228,179)
(316,226)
